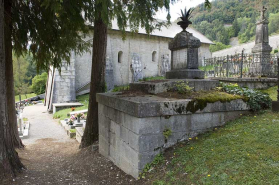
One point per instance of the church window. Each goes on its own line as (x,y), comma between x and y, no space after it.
(120,53)
(154,56)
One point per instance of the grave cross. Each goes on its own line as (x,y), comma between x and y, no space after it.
(262,13)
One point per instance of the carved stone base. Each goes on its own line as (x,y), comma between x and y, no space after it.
(185,74)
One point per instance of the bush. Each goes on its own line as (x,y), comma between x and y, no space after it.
(39,83)
(255,99)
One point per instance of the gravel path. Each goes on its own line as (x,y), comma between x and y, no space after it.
(42,125)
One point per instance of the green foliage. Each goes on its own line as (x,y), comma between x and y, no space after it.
(25,96)
(218,46)
(255,99)
(149,166)
(167,133)
(153,78)
(272,92)
(226,154)
(39,83)
(72,130)
(21,79)
(182,87)
(120,88)
(241,15)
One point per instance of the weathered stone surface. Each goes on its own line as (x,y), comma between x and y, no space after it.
(251,83)
(132,137)
(185,74)
(159,87)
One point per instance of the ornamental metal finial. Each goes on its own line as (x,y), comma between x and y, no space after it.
(185,17)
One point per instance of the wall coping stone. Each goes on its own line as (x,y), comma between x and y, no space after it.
(152,106)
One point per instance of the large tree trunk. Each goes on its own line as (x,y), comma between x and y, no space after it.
(9,76)
(97,80)
(9,160)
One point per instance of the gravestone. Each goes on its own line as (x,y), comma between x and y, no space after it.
(136,68)
(262,47)
(109,74)
(184,61)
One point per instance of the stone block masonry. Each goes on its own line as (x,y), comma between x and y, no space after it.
(131,129)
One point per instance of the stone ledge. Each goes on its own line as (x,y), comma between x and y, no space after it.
(185,74)
(162,86)
(152,106)
(246,79)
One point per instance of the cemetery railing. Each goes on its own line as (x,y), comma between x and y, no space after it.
(241,66)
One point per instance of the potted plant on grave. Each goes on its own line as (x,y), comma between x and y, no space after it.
(73,109)
(71,121)
(78,116)
(185,17)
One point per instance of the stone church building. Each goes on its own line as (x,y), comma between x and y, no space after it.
(138,56)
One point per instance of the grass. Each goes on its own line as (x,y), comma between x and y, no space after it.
(63,114)
(153,78)
(272,92)
(245,151)
(23,97)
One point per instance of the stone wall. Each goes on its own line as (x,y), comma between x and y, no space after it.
(64,83)
(131,130)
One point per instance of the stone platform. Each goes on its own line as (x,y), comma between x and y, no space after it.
(131,128)
(251,83)
(155,87)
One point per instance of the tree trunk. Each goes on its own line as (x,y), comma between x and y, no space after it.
(97,85)
(9,160)
(9,77)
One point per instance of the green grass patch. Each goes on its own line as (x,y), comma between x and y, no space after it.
(272,92)
(63,114)
(120,88)
(72,130)
(153,78)
(245,151)
(23,97)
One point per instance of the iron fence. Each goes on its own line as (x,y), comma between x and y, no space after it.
(241,65)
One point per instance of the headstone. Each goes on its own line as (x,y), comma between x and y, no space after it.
(262,47)
(184,61)
(136,68)
(109,78)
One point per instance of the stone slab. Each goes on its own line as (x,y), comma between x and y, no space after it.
(162,86)
(79,111)
(251,83)
(185,74)
(60,106)
(152,106)
(79,133)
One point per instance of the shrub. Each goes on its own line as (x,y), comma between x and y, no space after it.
(255,99)
(182,88)
(39,83)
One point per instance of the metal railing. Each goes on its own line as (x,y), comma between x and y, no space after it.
(241,65)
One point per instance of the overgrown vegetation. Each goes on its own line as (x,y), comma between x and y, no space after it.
(272,92)
(242,152)
(167,133)
(39,83)
(182,87)
(234,18)
(120,88)
(149,166)
(153,78)
(257,100)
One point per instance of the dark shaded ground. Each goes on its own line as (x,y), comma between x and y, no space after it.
(50,162)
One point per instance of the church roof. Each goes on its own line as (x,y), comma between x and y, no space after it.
(169,32)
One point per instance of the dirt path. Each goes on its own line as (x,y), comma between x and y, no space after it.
(52,158)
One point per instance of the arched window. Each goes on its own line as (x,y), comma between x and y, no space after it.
(153,56)
(120,53)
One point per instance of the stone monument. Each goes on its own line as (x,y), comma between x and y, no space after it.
(262,47)
(184,53)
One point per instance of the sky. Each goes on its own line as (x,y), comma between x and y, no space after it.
(175,8)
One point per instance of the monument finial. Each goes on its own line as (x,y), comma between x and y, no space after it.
(185,18)
(263,10)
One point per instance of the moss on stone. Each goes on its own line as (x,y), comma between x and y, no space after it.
(200,102)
